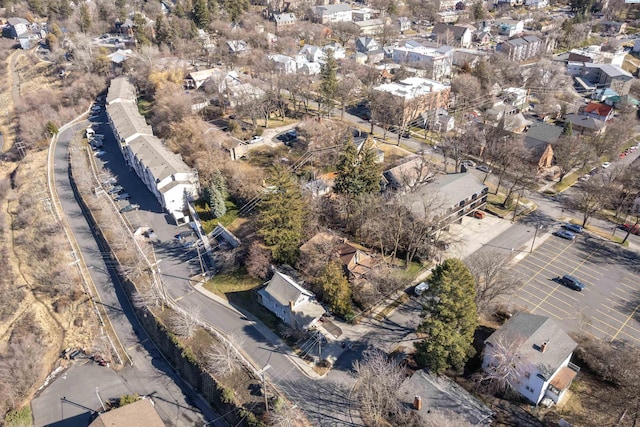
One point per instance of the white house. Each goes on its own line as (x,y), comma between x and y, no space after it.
(510,27)
(541,353)
(339,52)
(311,52)
(163,172)
(293,304)
(283,64)
(438,61)
(17,26)
(340,12)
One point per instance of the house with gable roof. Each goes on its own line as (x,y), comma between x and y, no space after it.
(339,12)
(461,36)
(544,351)
(283,20)
(293,304)
(598,111)
(539,140)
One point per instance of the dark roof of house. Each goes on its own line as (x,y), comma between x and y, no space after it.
(535,330)
(438,393)
(457,31)
(585,122)
(540,133)
(531,39)
(284,289)
(517,42)
(140,413)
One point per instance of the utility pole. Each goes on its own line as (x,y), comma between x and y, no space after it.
(534,237)
(264,386)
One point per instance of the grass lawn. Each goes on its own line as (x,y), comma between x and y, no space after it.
(209,223)
(144,107)
(569,180)
(241,290)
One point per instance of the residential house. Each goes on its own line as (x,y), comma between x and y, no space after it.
(366,44)
(585,125)
(481,37)
(452,196)
(339,52)
(370,27)
(120,56)
(196,79)
(536,4)
(437,61)
(164,173)
(139,413)
(595,54)
(17,26)
(608,76)
(294,305)
(470,57)
(440,121)
(238,47)
(359,57)
(521,49)
(543,353)
(407,175)
(328,14)
(415,95)
(362,14)
(427,393)
(539,141)
(403,24)
(450,16)
(601,95)
(510,27)
(308,68)
(598,111)
(619,102)
(612,28)
(516,96)
(357,263)
(452,35)
(507,116)
(283,64)
(311,53)
(284,20)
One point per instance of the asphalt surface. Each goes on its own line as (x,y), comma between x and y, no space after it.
(607,307)
(150,374)
(178,264)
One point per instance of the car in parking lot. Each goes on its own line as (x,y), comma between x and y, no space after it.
(254,139)
(483,168)
(574,228)
(565,234)
(123,196)
(572,282)
(115,190)
(130,207)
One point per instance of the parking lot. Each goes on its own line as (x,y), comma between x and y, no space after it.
(607,307)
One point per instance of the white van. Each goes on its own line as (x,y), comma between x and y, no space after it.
(421,288)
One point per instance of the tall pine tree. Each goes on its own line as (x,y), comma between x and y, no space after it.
(329,81)
(450,318)
(358,172)
(282,216)
(201,15)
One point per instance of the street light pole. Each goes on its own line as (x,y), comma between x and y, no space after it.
(264,386)
(539,227)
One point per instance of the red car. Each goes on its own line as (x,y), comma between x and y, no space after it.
(632,228)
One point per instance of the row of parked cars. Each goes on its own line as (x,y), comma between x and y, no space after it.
(116,191)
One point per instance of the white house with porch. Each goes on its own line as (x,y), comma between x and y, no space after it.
(543,351)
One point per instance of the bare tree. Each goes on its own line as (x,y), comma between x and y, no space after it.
(378,378)
(506,369)
(184,321)
(286,415)
(589,198)
(493,277)
(223,358)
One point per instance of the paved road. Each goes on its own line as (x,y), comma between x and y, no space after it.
(150,373)
(261,345)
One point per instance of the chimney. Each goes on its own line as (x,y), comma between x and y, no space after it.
(417,403)
(543,347)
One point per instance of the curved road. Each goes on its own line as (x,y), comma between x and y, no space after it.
(150,373)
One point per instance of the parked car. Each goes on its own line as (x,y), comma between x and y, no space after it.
(574,228)
(469,164)
(632,228)
(99,153)
(572,282)
(184,234)
(123,196)
(129,208)
(115,190)
(606,165)
(483,168)
(565,234)
(421,288)
(255,138)
(110,181)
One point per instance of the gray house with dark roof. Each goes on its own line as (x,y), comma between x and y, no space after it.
(539,138)
(585,124)
(293,304)
(460,36)
(542,352)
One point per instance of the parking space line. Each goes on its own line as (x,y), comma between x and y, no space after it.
(533,295)
(626,321)
(625,296)
(557,308)
(606,334)
(548,312)
(629,286)
(615,319)
(547,264)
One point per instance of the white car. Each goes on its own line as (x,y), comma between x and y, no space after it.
(606,165)
(256,138)
(421,288)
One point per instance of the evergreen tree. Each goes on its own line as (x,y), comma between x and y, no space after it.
(329,80)
(218,182)
(85,18)
(450,318)
(282,213)
(201,15)
(216,203)
(336,288)
(235,8)
(358,173)
(568,129)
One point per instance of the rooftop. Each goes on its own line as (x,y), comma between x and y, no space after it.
(140,413)
(536,330)
(412,87)
(284,289)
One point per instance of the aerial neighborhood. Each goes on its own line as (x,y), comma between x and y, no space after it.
(312,212)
